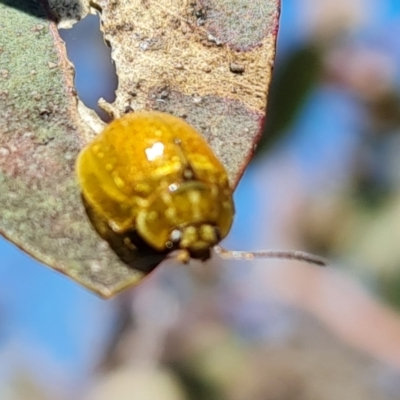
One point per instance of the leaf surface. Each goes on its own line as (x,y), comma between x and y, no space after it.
(208,61)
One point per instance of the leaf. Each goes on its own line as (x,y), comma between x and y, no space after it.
(208,61)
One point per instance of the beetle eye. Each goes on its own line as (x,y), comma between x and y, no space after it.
(174,239)
(176,236)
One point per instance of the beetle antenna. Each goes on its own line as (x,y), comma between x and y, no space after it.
(280,254)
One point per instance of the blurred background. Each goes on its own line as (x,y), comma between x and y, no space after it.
(326,179)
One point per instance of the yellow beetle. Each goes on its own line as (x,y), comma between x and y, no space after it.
(153,173)
(150,178)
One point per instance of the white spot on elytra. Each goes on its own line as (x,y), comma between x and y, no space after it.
(155,151)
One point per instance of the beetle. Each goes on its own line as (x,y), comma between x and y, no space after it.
(150,179)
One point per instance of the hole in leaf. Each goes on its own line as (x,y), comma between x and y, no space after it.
(95,74)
